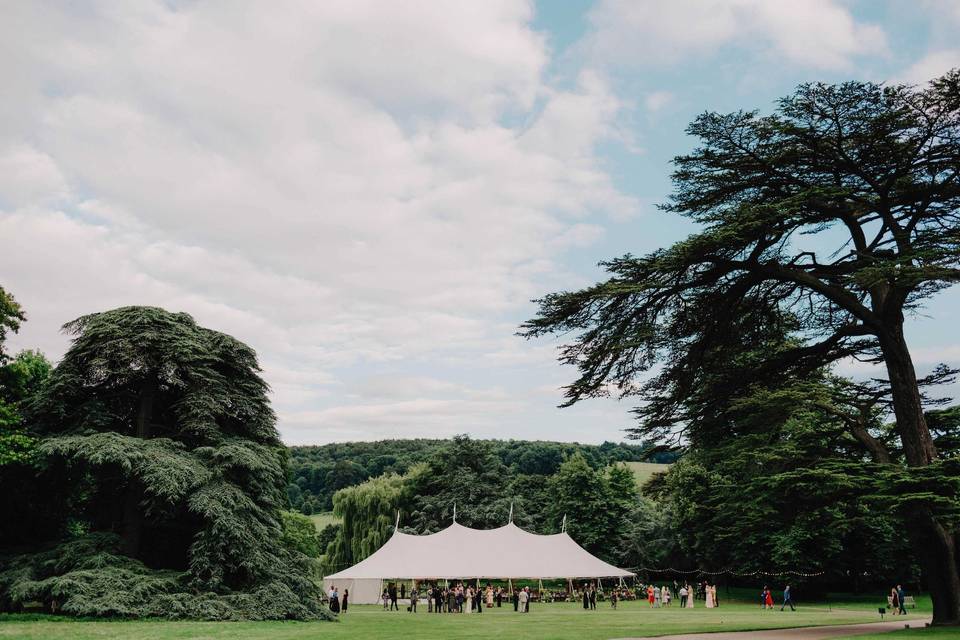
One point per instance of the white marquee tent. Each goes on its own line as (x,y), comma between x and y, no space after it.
(460,552)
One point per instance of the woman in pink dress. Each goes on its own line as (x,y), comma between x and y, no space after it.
(689,597)
(708,594)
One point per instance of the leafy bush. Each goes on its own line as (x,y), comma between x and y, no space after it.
(89,577)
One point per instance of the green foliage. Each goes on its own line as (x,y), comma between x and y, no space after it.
(316,473)
(466,473)
(11,315)
(647,536)
(786,488)
(596,503)
(89,577)
(31,506)
(15,447)
(300,535)
(20,378)
(368,513)
(161,430)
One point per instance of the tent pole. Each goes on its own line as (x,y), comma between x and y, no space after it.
(510,585)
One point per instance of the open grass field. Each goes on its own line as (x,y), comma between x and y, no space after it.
(321,520)
(544,622)
(645,470)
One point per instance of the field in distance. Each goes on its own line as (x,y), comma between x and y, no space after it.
(645,470)
(321,520)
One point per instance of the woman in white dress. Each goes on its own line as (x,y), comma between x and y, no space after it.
(708,594)
(689,597)
(469,605)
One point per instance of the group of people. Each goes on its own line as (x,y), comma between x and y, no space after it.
(766,598)
(464,598)
(659,596)
(336,602)
(456,598)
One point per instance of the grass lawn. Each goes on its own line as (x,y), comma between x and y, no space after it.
(544,622)
(321,520)
(643,471)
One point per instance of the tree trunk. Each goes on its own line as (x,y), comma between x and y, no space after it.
(935,545)
(133,496)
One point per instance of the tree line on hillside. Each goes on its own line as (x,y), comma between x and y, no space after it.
(317,472)
(150,476)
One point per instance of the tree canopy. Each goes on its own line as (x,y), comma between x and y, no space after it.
(828,221)
(163,432)
(11,315)
(317,472)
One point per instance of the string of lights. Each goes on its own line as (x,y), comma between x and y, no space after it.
(728,571)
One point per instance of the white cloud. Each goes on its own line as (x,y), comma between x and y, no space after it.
(29,177)
(818,33)
(657,100)
(343,185)
(933,65)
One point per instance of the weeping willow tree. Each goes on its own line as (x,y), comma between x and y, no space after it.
(164,432)
(368,512)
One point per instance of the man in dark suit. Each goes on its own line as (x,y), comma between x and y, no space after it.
(787,599)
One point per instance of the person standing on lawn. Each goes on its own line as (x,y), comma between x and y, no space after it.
(902,596)
(334,600)
(787,599)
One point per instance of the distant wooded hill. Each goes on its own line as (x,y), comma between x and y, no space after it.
(317,472)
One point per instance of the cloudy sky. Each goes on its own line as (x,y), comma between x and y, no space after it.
(370,193)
